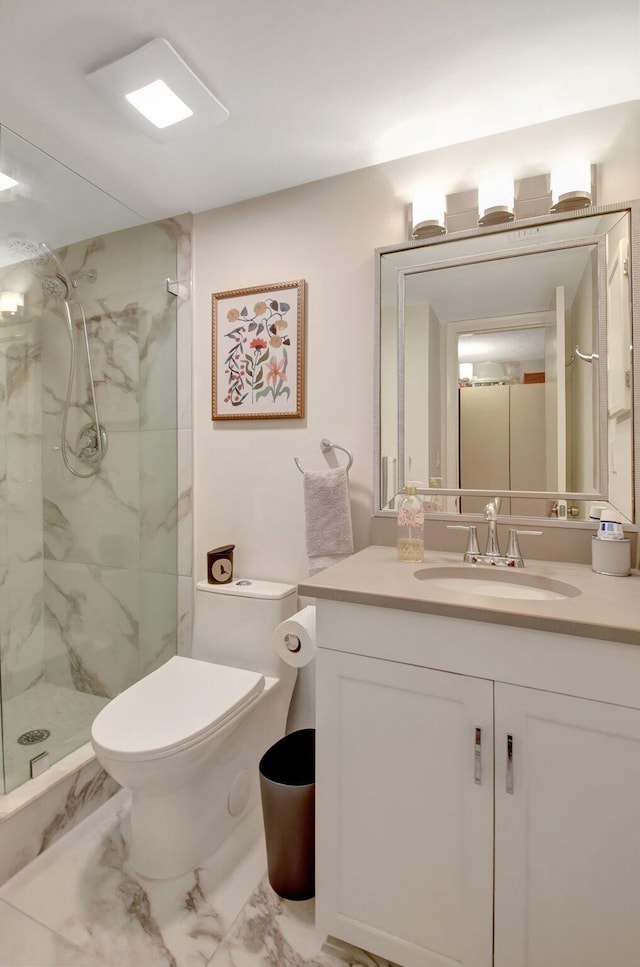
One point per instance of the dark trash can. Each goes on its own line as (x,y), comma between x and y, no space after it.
(287,787)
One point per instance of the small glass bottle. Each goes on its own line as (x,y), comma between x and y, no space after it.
(410,526)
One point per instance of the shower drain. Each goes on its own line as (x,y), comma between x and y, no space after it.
(33,736)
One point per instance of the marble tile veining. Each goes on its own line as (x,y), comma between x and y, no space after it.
(80,608)
(84,898)
(271,932)
(124,919)
(25,943)
(43,810)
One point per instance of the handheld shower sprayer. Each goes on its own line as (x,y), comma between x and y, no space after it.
(61,287)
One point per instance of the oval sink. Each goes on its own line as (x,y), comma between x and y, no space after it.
(494,582)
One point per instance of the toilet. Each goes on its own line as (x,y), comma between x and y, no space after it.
(187,738)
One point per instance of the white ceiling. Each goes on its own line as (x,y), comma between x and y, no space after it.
(314,87)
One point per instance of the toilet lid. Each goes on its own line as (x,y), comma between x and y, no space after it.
(179,703)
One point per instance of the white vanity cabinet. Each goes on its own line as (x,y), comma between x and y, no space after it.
(517,845)
(405,832)
(567,839)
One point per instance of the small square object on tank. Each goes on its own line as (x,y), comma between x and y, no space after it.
(220,564)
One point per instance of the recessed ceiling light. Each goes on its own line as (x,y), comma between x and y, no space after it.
(159,104)
(152,69)
(6,181)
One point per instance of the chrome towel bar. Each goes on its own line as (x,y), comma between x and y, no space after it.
(326,445)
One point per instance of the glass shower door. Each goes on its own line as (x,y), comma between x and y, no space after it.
(88,550)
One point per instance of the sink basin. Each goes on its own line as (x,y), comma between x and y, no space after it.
(494,582)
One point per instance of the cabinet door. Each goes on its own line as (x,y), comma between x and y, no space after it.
(404,861)
(567,875)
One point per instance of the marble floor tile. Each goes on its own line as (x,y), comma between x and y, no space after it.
(123,919)
(81,901)
(271,932)
(25,943)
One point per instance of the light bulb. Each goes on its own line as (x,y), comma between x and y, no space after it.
(570,186)
(495,200)
(428,214)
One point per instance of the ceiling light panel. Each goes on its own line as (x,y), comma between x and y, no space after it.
(158,103)
(151,69)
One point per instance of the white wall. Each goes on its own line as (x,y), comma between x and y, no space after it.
(247,488)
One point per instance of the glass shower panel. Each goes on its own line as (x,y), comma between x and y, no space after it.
(88,599)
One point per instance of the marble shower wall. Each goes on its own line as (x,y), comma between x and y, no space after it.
(110,542)
(21,532)
(95,574)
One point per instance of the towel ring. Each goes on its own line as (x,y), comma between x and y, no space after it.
(326,445)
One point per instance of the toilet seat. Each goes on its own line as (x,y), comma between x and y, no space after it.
(176,706)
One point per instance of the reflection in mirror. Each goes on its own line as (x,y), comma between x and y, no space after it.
(505,368)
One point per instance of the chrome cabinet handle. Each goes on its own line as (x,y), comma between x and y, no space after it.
(477,759)
(510,764)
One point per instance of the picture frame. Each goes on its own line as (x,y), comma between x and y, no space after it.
(258,352)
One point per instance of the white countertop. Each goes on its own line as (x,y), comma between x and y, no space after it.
(606,608)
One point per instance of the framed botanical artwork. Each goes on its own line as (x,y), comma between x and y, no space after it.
(258,352)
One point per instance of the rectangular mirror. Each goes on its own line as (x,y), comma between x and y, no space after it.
(505,367)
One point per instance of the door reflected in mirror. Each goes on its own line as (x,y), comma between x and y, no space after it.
(505,368)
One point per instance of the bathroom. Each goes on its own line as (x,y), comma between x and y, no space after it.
(244,486)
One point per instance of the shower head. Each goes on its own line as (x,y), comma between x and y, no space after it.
(37,254)
(56,287)
(26,250)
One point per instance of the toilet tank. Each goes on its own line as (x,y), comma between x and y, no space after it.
(234,623)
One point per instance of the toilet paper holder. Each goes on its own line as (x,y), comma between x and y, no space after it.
(292,642)
(295,638)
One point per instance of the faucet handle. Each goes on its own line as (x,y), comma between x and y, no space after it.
(473,551)
(513,549)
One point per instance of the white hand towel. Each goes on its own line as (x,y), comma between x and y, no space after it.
(328,518)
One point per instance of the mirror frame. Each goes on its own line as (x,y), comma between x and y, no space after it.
(632,208)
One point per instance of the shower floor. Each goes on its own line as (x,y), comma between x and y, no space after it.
(64,712)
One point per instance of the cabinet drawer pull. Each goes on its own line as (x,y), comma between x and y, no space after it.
(510,764)
(477,759)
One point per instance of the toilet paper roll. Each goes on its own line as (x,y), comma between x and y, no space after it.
(295,638)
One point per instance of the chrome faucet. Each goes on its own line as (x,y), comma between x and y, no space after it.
(491,512)
(513,557)
(492,555)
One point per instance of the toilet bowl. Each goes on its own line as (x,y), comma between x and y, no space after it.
(187,739)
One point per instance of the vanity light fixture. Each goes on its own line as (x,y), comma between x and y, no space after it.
(496,200)
(6,182)
(428,214)
(154,86)
(11,301)
(571,186)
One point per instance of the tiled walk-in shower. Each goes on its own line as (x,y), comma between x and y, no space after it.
(88,547)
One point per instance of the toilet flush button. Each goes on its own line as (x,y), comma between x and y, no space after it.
(239,793)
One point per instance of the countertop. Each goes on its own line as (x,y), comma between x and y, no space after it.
(606,608)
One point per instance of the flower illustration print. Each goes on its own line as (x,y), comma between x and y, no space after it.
(276,371)
(256,364)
